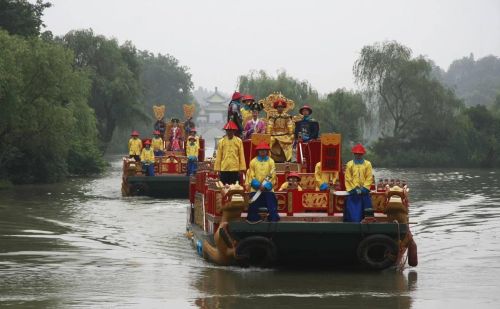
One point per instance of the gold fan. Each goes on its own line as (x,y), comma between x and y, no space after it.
(159,111)
(188,110)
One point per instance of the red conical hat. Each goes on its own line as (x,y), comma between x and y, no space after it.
(306,107)
(263,146)
(247,97)
(192,130)
(156,132)
(147,142)
(358,149)
(236,96)
(293,174)
(134,133)
(230,125)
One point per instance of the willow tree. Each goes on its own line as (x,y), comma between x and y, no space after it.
(116,94)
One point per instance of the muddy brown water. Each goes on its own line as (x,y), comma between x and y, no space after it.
(81,244)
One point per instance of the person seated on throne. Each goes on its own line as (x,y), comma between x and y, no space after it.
(254,125)
(306,129)
(260,179)
(280,127)
(175,136)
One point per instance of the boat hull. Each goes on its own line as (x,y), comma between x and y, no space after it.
(334,244)
(162,186)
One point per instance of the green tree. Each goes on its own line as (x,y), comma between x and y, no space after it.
(260,85)
(44,115)
(116,95)
(342,111)
(474,81)
(165,81)
(22,17)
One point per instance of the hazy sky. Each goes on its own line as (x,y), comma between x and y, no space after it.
(312,40)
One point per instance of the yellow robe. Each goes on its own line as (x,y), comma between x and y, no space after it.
(192,150)
(157,143)
(322,177)
(260,170)
(147,155)
(284,187)
(246,114)
(281,128)
(230,156)
(358,175)
(134,146)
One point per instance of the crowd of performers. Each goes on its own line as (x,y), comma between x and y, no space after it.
(243,121)
(178,141)
(261,175)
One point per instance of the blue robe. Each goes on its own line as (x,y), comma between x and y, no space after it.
(268,200)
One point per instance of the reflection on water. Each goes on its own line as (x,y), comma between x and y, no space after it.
(82,244)
(250,288)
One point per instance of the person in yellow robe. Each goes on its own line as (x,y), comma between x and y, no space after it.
(260,179)
(192,133)
(230,158)
(148,159)
(358,180)
(135,146)
(324,180)
(292,182)
(192,148)
(281,128)
(246,108)
(157,144)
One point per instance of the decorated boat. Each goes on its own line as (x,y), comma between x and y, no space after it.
(170,178)
(311,230)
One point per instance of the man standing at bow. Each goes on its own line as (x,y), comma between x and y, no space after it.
(230,158)
(358,180)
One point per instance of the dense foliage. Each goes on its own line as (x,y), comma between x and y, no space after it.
(474,81)
(22,17)
(116,95)
(423,123)
(419,120)
(46,127)
(62,99)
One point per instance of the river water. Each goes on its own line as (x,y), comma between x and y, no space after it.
(80,244)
